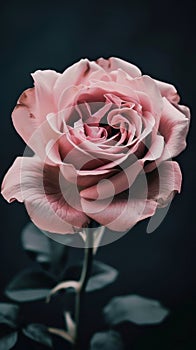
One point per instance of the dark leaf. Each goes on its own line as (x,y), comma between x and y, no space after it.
(30,285)
(33,240)
(9,314)
(43,249)
(110,340)
(102,275)
(7,341)
(38,333)
(66,239)
(136,309)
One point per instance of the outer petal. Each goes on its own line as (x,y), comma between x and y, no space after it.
(114,63)
(160,185)
(33,106)
(164,182)
(121,214)
(44,82)
(43,195)
(123,211)
(23,115)
(168,91)
(75,75)
(174,125)
(148,93)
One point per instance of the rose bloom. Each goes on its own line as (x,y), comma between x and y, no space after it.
(103,136)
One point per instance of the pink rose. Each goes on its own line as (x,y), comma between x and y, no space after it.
(103,137)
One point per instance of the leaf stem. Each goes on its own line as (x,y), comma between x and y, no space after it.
(86,270)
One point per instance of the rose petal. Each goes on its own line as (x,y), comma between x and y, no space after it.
(32,108)
(164,182)
(156,149)
(123,211)
(121,214)
(174,127)
(44,82)
(75,75)
(115,184)
(25,115)
(148,93)
(113,63)
(44,196)
(167,90)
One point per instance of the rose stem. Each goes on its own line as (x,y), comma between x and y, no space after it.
(86,270)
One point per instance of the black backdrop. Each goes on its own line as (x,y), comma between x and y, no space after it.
(158,37)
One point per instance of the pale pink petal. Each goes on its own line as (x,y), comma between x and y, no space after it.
(115,184)
(148,94)
(67,98)
(98,89)
(44,193)
(169,91)
(44,82)
(114,63)
(75,75)
(164,182)
(35,136)
(45,79)
(156,149)
(121,214)
(11,185)
(32,108)
(24,115)
(173,127)
(184,109)
(81,178)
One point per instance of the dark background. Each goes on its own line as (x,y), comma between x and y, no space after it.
(159,37)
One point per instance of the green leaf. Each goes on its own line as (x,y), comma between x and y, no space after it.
(110,340)
(30,285)
(8,340)
(9,314)
(136,309)
(102,275)
(38,333)
(42,249)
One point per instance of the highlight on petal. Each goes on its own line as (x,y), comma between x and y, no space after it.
(114,63)
(74,75)
(43,193)
(45,79)
(44,82)
(32,108)
(174,127)
(169,91)
(148,94)
(164,182)
(23,115)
